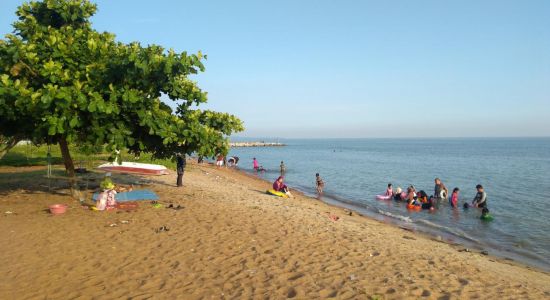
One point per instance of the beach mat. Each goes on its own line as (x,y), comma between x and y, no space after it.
(135,195)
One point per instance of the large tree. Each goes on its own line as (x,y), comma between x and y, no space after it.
(62,82)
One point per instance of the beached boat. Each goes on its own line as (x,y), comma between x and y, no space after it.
(132,167)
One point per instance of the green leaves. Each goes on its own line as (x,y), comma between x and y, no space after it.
(62,80)
(74,122)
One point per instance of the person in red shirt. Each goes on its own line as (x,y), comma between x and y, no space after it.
(279,186)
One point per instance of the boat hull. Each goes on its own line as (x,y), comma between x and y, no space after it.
(136,168)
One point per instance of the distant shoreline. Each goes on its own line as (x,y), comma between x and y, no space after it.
(256,144)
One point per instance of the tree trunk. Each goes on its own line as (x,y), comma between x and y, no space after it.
(6,143)
(69,166)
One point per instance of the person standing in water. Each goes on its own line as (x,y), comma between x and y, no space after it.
(440,190)
(180,168)
(255,164)
(320,184)
(454,198)
(283,168)
(480,199)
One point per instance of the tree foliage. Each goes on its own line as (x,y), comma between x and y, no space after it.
(63,82)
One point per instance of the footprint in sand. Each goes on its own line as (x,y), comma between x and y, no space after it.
(295,276)
(328,293)
(291,293)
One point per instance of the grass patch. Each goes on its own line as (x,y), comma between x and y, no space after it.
(31,155)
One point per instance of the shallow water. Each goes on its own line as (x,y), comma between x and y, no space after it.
(514,172)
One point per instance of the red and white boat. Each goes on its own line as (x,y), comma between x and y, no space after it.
(132,167)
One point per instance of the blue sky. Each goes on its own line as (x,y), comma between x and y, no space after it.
(356,68)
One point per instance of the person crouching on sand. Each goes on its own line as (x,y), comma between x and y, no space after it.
(219,161)
(320,184)
(106,199)
(279,186)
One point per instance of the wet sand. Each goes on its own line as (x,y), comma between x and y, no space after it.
(229,241)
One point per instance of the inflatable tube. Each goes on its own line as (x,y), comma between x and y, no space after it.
(414,207)
(487,218)
(275,193)
(383,197)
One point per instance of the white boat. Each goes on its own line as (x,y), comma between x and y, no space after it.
(132,167)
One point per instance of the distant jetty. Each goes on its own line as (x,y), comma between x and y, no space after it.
(256,144)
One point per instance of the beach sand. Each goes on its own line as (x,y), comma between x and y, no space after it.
(230,241)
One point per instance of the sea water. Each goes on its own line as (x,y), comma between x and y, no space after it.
(514,171)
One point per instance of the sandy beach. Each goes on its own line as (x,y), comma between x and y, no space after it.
(230,241)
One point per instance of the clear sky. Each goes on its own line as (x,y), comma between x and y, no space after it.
(356,68)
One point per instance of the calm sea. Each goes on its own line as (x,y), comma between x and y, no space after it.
(514,171)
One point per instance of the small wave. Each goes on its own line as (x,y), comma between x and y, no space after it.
(399,217)
(457,232)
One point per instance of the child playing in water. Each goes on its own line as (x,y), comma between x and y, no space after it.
(320,183)
(422,197)
(389,190)
(411,195)
(424,201)
(454,198)
(397,195)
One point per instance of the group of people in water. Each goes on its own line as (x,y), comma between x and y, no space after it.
(418,200)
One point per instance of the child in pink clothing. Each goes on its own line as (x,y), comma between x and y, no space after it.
(106,199)
(454,197)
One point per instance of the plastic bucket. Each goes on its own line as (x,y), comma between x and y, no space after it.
(58,209)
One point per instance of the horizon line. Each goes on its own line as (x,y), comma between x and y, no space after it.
(417,137)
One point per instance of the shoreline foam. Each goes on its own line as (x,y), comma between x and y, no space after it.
(465,242)
(404,222)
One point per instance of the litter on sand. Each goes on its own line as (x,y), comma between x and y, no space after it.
(175,207)
(333,217)
(162,228)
